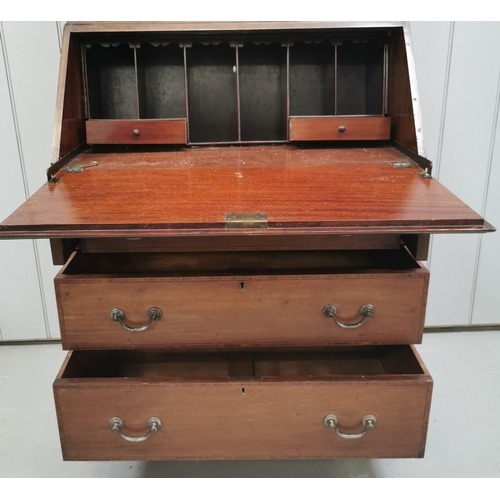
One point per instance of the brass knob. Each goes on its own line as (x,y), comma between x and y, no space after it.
(341,129)
(136,132)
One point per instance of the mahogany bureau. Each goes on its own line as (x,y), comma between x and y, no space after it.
(240,210)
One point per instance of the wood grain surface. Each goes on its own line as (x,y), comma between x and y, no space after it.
(69,126)
(222,300)
(333,190)
(218,418)
(149,131)
(328,128)
(400,103)
(241,243)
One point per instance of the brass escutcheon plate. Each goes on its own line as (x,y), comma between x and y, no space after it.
(246,220)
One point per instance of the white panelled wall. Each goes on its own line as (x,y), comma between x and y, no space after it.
(458,71)
(28,84)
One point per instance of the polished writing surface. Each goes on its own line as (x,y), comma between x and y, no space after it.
(300,189)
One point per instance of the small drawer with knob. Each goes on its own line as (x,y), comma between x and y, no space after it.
(358,402)
(241,299)
(340,128)
(136,131)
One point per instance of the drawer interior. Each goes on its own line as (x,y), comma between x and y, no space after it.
(230,263)
(332,362)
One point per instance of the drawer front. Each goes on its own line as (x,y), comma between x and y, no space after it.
(332,128)
(243,243)
(242,311)
(243,419)
(136,131)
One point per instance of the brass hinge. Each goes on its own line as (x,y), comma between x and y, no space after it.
(246,220)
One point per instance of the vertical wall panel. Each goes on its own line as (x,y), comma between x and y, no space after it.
(487,293)
(469,117)
(34,52)
(21,313)
(431,38)
(433,79)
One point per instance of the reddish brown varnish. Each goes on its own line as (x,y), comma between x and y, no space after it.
(241,299)
(268,406)
(400,105)
(146,131)
(335,190)
(242,243)
(241,404)
(333,128)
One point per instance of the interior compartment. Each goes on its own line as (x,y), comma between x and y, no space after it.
(263,91)
(312,79)
(330,362)
(233,92)
(248,263)
(111,81)
(212,83)
(161,79)
(360,78)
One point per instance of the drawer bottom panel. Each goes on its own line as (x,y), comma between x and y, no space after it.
(279,413)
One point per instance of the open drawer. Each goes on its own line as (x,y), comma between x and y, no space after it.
(341,403)
(154,300)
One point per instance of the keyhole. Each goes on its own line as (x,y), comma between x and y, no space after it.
(242,285)
(242,390)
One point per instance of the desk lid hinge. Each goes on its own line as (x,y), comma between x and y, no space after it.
(246,220)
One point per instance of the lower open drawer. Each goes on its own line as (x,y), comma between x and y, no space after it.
(336,403)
